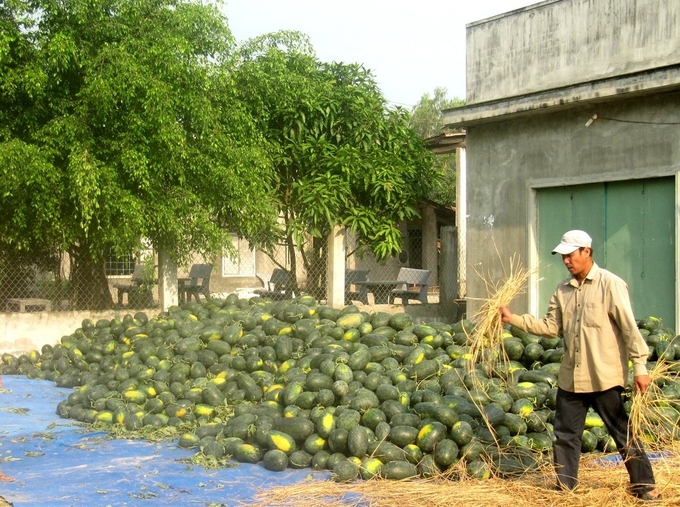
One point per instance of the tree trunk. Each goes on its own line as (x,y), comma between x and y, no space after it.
(290,244)
(89,285)
(315,264)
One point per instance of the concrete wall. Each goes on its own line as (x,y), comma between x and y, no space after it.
(263,267)
(558,43)
(21,333)
(507,159)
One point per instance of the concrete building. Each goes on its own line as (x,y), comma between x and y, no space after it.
(573,121)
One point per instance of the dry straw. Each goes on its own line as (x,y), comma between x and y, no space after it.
(653,420)
(603,483)
(486,339)
(486,354)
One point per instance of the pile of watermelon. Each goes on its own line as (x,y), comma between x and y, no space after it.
(295,384)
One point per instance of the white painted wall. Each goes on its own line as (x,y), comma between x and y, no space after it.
(21,333)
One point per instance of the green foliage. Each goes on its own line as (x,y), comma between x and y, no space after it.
(341,156)
(426,116)
(118,122)
(445,191)
(426,120)
(124,120)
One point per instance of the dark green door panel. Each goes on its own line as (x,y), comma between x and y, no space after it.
(632,224)
(554,218)
(641,244)
(624,224)
(559,210)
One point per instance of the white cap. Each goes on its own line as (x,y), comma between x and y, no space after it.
(572,241)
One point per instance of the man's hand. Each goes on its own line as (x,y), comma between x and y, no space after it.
(642,383)
(506,313)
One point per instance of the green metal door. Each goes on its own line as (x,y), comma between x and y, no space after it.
(632,224)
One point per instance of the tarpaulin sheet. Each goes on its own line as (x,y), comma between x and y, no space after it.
(55,462)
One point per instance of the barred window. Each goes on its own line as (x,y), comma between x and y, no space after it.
(119,265)
(243,264)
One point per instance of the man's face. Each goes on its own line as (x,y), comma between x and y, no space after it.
(578,262)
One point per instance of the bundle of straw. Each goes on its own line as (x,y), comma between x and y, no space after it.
(653,420)
(486,339)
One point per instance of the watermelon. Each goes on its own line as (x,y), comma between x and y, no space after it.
(293,384)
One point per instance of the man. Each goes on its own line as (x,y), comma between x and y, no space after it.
(591,311)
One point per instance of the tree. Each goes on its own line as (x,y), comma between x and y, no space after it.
(341,157)
(426,120)
(118,121)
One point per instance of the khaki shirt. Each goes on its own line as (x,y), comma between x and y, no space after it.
(599,330)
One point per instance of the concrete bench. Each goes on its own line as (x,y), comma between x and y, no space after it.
(416,283)
(20,305)
(280,285)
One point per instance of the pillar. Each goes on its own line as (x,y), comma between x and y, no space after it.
(335,274)
(167,280)
(448,277)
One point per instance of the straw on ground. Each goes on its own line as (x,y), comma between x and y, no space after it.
(601,485)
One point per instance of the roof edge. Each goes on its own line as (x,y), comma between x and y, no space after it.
(603,90)
(513,12)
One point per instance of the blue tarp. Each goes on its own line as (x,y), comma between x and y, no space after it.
(55,462)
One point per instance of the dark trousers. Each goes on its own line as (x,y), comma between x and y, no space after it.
(569,424)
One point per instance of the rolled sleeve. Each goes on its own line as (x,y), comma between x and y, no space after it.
(599,332)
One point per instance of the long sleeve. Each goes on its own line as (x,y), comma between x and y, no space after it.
(621,313)
(550,325)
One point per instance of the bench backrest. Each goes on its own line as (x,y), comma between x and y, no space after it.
(414,276)
(138,274)
(200,274)
(281,279)
(356,275)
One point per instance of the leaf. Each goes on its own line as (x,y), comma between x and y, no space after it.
(123,126)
